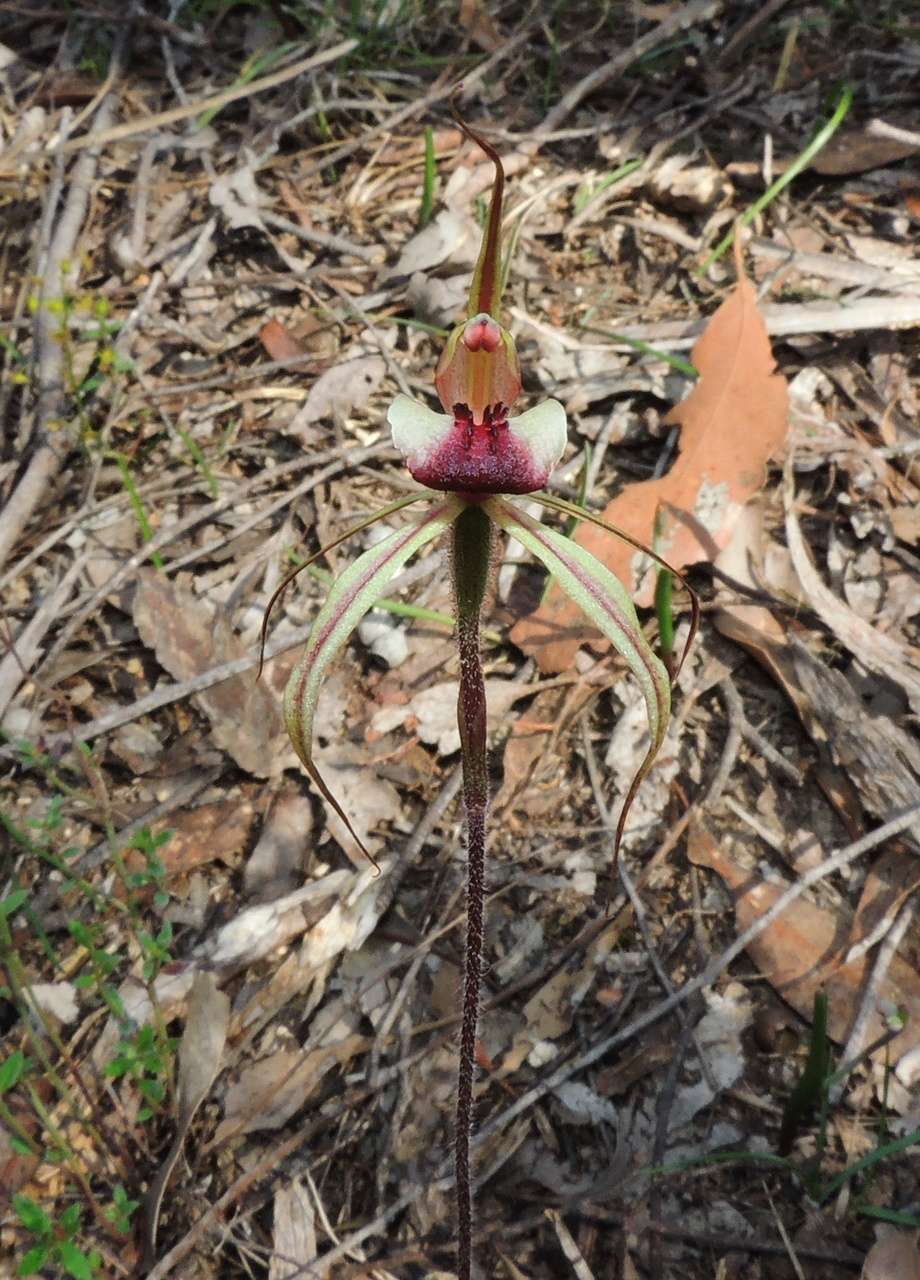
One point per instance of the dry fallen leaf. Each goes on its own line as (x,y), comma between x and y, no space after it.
(55,1000)
(188,639)
(433,712)
(733,422)
(894,1258)
(892,878)
(860,151)
(479,25)
(865,758)
(269,1092)
(802,951)
(344,388)
(683,185)
(451,237)
(367,799)
(294,1232)
(276,865)
(211,832)
(878,652)
(278,341)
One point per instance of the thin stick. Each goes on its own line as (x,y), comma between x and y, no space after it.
(173,531)
(836,862)
(887,952)
(49,452)
(687,15)
(217,100)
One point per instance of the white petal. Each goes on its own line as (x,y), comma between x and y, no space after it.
(417,430)
(543,429)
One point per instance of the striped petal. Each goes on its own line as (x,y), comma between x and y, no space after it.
(356,591)
(475,452)
(607,604)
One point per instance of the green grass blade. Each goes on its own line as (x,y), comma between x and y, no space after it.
(200,460)
(645,349)
(885,1152)
(802,160)
(137,505)
(807,1092)
(429,176)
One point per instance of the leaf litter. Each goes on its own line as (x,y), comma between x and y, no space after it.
(313,951)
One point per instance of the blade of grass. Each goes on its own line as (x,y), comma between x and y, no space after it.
(200,460)
(909,1220)
(429,175)
(807,1092)
(869,1161)
(676,362)
(802,160)
(251,70)
(584,195)
(137,505)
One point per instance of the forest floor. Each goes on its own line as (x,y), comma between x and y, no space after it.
(230,236)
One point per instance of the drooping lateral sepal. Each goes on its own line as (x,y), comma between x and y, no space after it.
(352,594)
(578,513)
(607,604)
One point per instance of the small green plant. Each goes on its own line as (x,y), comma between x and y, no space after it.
(92,363)
(145,1058)
(813,1092)
(137,502)
(55,1244)
(108,936)
(95,375)
(812,1085)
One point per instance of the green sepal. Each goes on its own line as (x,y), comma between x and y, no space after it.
(606,603)
(356,591)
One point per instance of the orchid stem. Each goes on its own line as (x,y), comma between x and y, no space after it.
(472,547)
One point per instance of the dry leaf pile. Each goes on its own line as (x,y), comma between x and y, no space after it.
(213,277)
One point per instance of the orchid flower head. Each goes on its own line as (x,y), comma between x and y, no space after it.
(476,453)
(476,446)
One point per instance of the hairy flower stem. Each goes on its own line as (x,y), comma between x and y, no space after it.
(472,546)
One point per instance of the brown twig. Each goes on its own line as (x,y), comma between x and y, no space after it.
(23,649)
(118,132)
(47,459)
(688,15)
(886,953)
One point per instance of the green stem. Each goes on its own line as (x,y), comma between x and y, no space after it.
(472,547)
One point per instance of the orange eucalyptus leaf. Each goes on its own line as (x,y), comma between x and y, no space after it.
(732,423)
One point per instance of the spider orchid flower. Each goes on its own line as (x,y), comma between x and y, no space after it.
(470,458)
